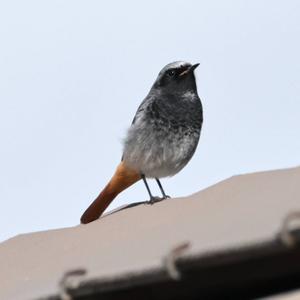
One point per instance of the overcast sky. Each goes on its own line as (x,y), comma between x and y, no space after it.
(72,74)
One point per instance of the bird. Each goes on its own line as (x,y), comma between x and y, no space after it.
(162,138)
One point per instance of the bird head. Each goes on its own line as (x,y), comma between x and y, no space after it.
(176,77)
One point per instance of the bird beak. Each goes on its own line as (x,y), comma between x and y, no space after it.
(193,67)
(189,70)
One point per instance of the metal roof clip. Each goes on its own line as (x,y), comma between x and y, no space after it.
(171,259)
(287,235)
(70,280)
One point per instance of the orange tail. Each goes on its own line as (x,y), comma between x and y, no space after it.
(122,179)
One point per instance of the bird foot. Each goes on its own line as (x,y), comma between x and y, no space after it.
(155,200)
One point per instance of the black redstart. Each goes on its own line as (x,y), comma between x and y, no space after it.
(162,138)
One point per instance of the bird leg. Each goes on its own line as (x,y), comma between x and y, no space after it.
(152,198)
(161,189)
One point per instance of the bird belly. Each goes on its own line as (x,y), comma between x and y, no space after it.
(156,153)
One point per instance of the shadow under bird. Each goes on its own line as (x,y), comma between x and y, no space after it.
(162,138)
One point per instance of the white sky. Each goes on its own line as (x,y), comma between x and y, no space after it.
(72,74)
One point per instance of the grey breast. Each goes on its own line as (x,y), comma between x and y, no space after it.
(164,134)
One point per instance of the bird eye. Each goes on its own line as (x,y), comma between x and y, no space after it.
(171,73)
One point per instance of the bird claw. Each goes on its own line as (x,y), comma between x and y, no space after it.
(155,200)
